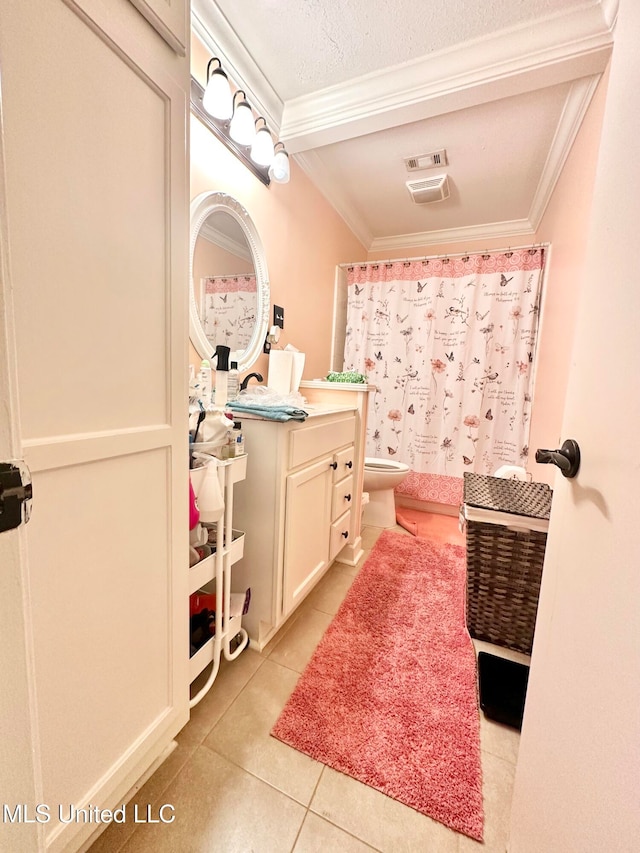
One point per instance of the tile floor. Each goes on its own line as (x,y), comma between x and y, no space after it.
(235,789)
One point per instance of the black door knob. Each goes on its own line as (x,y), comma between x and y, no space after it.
(567,458)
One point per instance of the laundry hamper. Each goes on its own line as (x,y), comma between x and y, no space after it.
(506,535)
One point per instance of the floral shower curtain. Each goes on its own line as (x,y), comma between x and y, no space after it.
(228,309)
(450,345)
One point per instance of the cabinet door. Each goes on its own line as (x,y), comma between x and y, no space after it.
(306,540)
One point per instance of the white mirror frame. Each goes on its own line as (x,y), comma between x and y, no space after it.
(201,207)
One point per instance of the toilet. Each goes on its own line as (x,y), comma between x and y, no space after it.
(381,476)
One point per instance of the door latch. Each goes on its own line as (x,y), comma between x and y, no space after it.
(15,494)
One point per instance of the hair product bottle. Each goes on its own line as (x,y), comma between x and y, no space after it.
(233,382)
(222,372)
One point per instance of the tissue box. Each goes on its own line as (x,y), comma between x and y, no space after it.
(285,370)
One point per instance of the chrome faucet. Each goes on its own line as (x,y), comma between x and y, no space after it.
(245,381)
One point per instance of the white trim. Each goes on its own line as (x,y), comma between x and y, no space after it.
(169,20)
(237,62)
(573,113)
(610,11)
(574,110)
(22,756)
(240,250)
(555,50)
(51,452)
(494,251)
(514,228)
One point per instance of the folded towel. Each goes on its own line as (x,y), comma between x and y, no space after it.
(272,413)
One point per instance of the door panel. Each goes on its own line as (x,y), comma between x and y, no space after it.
(89,235)
(107,609)
(95,148)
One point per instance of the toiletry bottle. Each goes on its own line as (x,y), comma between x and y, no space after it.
(222,371)
(205,383)
(232,382)
(238,439)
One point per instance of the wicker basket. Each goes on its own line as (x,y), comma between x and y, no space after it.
(504,557)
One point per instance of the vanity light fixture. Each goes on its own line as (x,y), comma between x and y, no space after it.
(262,149)
(279,170)
(230,118)
(242,128)
(217,99)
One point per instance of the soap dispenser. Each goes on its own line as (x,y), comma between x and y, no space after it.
(222,371)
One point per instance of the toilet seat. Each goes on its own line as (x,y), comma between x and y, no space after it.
(374,464)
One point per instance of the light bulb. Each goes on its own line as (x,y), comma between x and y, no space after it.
(279,171)
(217,100)
(242,128)
(262,148)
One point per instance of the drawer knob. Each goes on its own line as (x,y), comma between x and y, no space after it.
(349,464)
(345,533)
(333,465)
(347,497)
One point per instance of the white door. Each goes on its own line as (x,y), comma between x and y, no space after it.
(578,773)
(94,114)
(19,760)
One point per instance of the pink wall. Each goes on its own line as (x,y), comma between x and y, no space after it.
(303,238)
(564,225)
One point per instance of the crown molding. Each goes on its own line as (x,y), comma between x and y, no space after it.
(575,107)
(218,238)
(556,50)
(332,189)
(207,19)
(610,11)
(514,228)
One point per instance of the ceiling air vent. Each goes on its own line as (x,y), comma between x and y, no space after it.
(426,161)
(429,189)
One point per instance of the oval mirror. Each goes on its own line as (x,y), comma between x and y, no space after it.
(229,283)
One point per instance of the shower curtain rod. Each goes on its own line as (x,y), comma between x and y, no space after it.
(446,255)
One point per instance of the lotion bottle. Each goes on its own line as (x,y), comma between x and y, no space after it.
(233,383)
(205,383)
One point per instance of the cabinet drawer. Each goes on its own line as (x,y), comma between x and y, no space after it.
(340,532)
(341,497)
(345,464)
(312,441)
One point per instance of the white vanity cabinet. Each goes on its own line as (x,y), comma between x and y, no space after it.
(295,506)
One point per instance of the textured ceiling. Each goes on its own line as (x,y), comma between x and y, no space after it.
(353,88)
(305,45)
(496,153)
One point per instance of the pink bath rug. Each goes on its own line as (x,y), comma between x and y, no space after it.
(389,696)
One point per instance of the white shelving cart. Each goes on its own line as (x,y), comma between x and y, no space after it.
(216,570)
